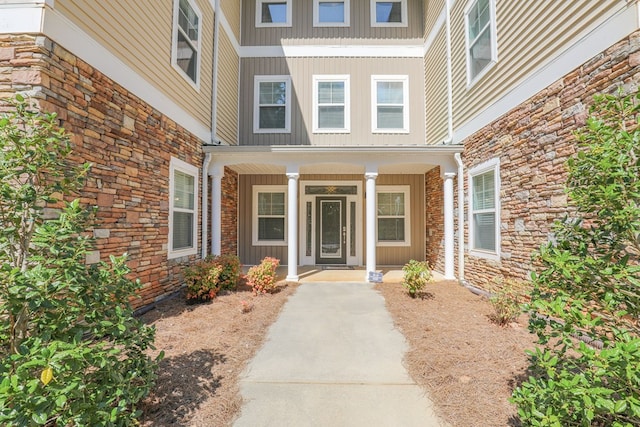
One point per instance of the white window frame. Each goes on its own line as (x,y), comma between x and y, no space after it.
(316,104)
(186,168)
(259,22)
(254,214)
(316,15)
(403,10)
(493,33)
(256,103)
(488,166)
(174,44)
(406,190)
(374,103)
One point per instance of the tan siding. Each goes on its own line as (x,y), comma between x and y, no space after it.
(227,96)
(528,38)
(231,10)
(436,91)
(432,10)
(360,70)
(302,30)
(125,27)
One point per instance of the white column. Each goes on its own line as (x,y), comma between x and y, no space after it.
(216,213)
(292,229)
(449,237)
(370,196)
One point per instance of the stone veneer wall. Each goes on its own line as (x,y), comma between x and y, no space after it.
(434,195)
(130,145)
(533,142)
(229,212)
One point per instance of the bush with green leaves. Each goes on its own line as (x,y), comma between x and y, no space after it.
(416,275)
(588,285)
(507,298)
(71,351)
(207,277)
(262,277)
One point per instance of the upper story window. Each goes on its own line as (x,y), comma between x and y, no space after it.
(484,212)
(331,13)
(273,13)
(392,203)
(269,215)
(482,50)
(272,108)
(186,39)
(388,13)
(390,108)
(331,110)
(183,208)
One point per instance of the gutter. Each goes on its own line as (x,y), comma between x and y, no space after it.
(214,83)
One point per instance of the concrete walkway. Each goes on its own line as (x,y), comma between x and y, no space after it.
(333,358)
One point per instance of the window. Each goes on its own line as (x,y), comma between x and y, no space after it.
(273,13)
(392,204)
(390,110)
(183,208)
(186,40)
(482,51)
(272,112)
(331,104)
(388,13)
(331,13)
(484,212)
(269,215)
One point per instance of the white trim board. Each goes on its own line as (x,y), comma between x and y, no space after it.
(22,18)
(337,51)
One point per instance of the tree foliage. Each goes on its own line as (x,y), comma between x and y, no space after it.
(587,290)
(71,352)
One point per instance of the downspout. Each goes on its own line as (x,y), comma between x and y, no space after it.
(205,208)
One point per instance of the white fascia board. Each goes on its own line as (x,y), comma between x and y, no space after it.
(604,36)
(437,27)
(22,17)
(227,28)
(365,51)
(72,38)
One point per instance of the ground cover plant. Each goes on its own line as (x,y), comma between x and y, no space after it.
(587,288)
(71,352)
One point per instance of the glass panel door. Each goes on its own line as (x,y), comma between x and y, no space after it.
(331,230)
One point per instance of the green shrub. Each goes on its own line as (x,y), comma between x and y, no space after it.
(416,274)
(587,285)
(230,273)
(71,352)
(207,277)
(262,277)
(507,300)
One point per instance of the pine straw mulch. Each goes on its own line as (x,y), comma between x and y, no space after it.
(467,364)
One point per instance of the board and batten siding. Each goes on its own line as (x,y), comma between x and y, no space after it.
(436,91)
(231,11)
(302,30)
(124,27)
(360,71)
(227,94)
(389,255)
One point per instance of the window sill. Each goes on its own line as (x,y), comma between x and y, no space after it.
(493,256)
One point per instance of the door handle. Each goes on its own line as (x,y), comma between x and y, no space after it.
(344,235)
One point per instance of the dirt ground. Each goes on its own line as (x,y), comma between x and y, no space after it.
(467,364)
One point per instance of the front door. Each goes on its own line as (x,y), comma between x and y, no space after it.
(331,230)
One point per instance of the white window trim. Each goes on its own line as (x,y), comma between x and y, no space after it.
(259,22)
(471,80)
(374,103)
(347,103)
(174,44)
(375,23)
(493,164)
(256,103)
(407,213)
(316,15)
(254,214)
(184,167)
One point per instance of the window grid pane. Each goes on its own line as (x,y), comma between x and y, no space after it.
(182,230)
(391,216)
(184,191)
(484,211)
(389,12)
(271,216)
(331,12)
(274,13)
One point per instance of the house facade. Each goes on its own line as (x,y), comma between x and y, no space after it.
(325,133)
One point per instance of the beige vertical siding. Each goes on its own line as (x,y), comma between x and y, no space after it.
(227,95)
(528,38)
(231,10)
(302,30)
(436,90)
(360,70)
(125,28)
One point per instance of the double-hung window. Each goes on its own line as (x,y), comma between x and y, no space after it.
(390,106)
(331,13)
(269,215)
(272,109)
(388,13)
(273,13)
(186,40)
(183,208)
(393,227)
(484,212)
(482,50)
(331,104)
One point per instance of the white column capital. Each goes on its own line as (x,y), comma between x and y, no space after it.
(293,175)
(449,175)
(371,175)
